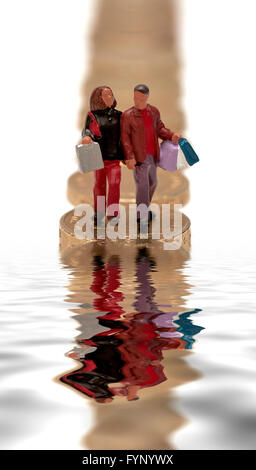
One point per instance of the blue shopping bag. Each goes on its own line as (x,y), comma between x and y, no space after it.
(188,151)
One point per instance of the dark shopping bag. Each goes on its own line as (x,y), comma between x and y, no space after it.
(188,151)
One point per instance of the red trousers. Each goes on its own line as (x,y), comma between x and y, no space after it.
(112,173)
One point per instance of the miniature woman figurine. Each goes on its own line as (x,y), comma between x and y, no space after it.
(102,125)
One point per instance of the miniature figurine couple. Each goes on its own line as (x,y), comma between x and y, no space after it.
(130,137)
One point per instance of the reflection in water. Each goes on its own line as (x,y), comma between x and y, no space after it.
(126,348)
(134,334)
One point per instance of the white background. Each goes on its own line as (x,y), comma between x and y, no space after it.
(220,75)
(42,65)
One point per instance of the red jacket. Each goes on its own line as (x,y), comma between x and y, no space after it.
(133,133)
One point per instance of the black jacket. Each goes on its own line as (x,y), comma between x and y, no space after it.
(110,140)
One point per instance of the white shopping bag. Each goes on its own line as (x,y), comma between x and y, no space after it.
(89,157)
(181,161)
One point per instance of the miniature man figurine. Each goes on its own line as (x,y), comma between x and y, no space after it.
(141,126)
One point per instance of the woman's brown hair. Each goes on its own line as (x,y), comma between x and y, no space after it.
(96,101)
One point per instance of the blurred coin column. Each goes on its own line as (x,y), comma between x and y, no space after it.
(135,42)
(118,298)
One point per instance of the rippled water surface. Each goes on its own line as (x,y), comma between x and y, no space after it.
(128,347)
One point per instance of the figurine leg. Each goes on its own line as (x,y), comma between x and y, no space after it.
(113,171)
(142,183)
(152,177)
(99,188)
(146,180)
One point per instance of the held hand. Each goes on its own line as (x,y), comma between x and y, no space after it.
(131,164)
(176,137)
(87,140)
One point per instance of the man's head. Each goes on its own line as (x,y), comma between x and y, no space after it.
(141,94)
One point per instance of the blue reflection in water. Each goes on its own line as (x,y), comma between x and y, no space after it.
(187,328)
